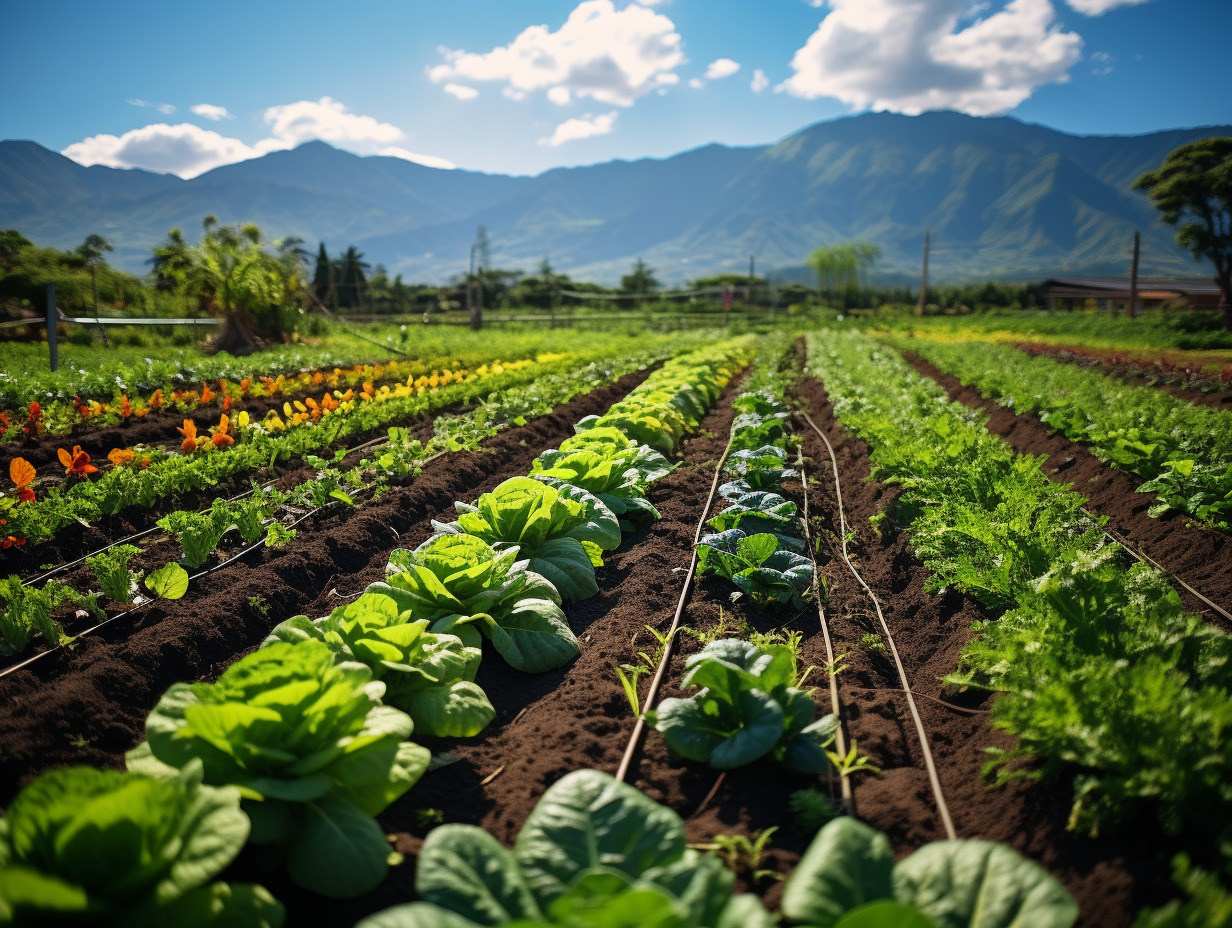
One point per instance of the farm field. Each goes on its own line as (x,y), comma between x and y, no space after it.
(900,611)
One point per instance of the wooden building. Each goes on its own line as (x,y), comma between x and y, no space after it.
(1111,294)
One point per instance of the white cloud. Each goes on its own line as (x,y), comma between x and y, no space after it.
(461,91)
(329,120)
(696,83)
(1100,7)
(211,112)
(189,150)
(428,161)
(184,149)
(613,56)
(908,56)
(165,108)
(721,68)
(572,130)
(760,82)
(560,95)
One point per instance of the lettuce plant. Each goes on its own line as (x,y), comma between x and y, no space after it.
(428,676)
(110,568)
(612,442)
(747,707)
(758,565)
(82,846)
(763,468)
(311,749)
(562,529)
(759,512)
(848,877)
(594,853)
(465,588)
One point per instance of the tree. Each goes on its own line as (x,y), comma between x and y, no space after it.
(92,251)
(323,280)
(640,280)
(1193,191)
(351,277)
(841,268)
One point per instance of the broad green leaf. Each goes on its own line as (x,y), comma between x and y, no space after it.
(980,884)
(460,710)
(587,820)
(846,865)
(417,915)
(168,582)
(465,870)
(338,851)
(885,914)
(534,637)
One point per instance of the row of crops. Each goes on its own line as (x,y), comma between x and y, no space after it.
(296,749)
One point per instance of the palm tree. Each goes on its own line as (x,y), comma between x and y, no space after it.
(351,277)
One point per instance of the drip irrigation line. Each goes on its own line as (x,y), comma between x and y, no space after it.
(940,702)
(1148,560)
(934,780)
(840,738)
(639,727)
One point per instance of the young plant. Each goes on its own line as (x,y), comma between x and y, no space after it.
(849,868)
(745,708)
(428,676)
(593,852)
(464,588)
(763,468)
(563,530)
(743,855)
(759,512)
(308,743)
(198,532)
(810,809)
(82,846)
(110,568)
(755,563)
(28,611)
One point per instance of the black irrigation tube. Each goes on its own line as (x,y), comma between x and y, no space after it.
(840,739)
(943,809)
(639,728)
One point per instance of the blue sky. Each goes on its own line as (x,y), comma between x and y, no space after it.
(520,87)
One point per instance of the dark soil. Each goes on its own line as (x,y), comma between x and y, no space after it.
(1200,557)
(87,704)
(1111,877)
(1194,386)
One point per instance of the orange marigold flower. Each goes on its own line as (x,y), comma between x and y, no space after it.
(5,422)
(189,431)
(11,540)
(126,408)
(120,456)
(33,414)
(21,472)
(245,384)
(226,404)
(206,394)
(221,436)
(156,398)
(77,463)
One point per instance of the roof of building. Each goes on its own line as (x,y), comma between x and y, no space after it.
(1121,285)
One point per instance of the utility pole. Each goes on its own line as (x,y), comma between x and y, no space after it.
(474,294)
(749,299)
(1133,279)
(52,323)
(919,306)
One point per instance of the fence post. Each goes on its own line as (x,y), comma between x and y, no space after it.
(51,327)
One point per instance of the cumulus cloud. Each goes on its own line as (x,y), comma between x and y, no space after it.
(185,149)
(696,83)
(189,150)
(909,56)
(165,108)
(1100,7)
(572,130)
(721,68)
(461,91)
(211,112)
(760,82)
(613,56)
(429,161)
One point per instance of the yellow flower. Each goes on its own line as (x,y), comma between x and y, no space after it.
(242,419)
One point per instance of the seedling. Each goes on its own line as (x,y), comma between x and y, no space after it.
(852,763)
(743,855)
(110,568)
(810,810)
(873,642)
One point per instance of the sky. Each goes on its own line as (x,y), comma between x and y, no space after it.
(521,87)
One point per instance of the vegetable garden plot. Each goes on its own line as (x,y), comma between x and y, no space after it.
(1200,557)
(88,705)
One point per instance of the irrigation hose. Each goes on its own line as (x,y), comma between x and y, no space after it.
(1146,559)
(652,694)
(840,738)
(943,809)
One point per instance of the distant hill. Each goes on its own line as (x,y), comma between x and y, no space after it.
(1002,198)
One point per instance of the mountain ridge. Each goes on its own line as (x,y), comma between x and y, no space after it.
(1002,198)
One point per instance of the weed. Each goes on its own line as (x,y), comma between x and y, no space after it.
(743,855)
(810,809)
(259,604)
(873,642)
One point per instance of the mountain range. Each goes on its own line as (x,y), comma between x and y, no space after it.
(1002,198)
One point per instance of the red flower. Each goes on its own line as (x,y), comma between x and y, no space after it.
(76,464)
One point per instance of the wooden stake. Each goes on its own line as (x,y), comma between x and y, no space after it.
(919,307)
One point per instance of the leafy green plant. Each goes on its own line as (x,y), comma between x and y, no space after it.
(873,642)
(810,809)
(562,529)
(198,532)
(310,748)
(465,588)
(758,566)
(168,582)
(848,878)
(28,611)
(593,852)
(96,847)
(743,855)
(607,474)
(761,468)
(428,676)
(1207,903)
(628,675)
(759,512)
(110,568)
(746,708)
